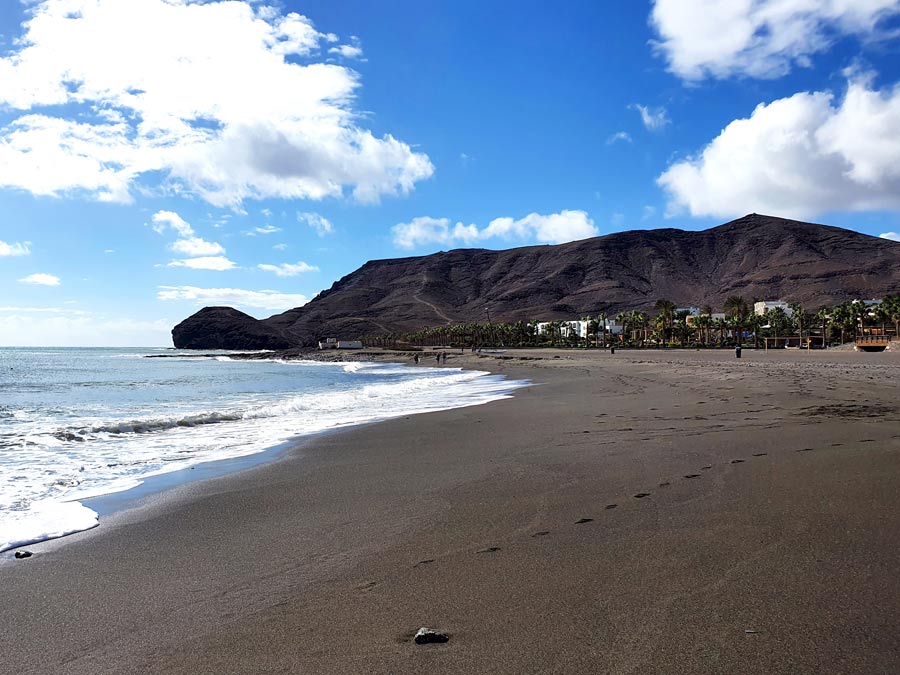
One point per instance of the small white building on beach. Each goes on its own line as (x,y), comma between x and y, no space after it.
(334,343)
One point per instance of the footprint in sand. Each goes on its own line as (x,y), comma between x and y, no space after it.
(542,533)
(581,521)
(666,484)
(490,549)
(835,445)
(867,440)
(692,475)
(424,562)
(737,461)
(368,586)
(705,468)
(610,506)
(641,495)
(805,450)
(760,454)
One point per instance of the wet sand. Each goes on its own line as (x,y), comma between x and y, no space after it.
(648,512)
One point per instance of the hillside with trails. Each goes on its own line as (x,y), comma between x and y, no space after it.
(755,256)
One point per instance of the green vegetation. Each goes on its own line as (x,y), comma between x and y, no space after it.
(671,328)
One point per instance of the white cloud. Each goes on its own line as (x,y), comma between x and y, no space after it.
(267,229)
(55,327)
(622,136)
(265,299)
(758,38)
(348,51)
(109,250)
(17,248)
(426,230)
(40,279)
(205,255)
(893,236)
(161,219)
(555,228)
(280,247)
(195,246)
(320,224)
(216,263)
(798,157)
(205,98)
(288,269)
(648,212)
(654,119)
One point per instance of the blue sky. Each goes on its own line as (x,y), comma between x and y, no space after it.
(157,156)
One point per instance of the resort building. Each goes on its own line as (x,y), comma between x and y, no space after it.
(577,328)
(567,329)
(334,343)
(765,306)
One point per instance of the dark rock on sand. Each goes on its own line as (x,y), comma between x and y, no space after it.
(226,328)
(23,554)
(426,636)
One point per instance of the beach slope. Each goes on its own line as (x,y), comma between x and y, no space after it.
(647,512)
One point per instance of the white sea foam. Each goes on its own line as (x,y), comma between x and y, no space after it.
(49,467)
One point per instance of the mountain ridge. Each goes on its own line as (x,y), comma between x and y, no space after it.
(754,256)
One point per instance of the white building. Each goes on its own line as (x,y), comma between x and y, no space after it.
(578,328)
(567,329)
(765,306)
(334,343)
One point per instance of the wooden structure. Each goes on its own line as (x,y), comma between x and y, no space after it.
(873,343)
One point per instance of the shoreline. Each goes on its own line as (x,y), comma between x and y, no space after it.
(490,522)
(152,488)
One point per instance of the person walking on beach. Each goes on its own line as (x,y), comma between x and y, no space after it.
(416,357)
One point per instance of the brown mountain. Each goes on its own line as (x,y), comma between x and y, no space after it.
(755,256)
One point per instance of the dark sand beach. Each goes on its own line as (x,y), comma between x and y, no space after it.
(648,512)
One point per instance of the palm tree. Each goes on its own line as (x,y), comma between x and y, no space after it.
(720,326)
(622,320)
(892,303)
(736,309)
(703,324)
(602,319)
(823,315)
(666,313)
(881,314)
(753,322)
(778,320)
(799,317)
(638,321)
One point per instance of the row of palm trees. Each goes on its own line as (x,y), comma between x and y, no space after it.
(668,327)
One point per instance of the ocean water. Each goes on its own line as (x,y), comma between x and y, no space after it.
(76,423)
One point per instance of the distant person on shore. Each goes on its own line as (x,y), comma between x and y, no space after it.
(437,357)
(416,357)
